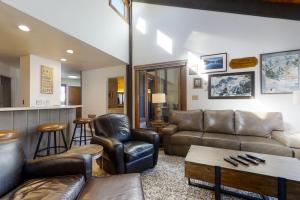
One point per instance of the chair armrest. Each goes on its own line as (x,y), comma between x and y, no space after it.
(170,129)
(59,165)
(114,149)
(145,135)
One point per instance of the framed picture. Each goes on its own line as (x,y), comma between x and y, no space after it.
(214,63)
(280,72)
(197,83)
(46,80)
(232,86)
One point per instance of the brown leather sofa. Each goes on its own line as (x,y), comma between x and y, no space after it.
(57,177)
(228,129)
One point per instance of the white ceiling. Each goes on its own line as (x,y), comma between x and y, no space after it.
(46,41)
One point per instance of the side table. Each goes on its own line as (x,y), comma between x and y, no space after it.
(157,126)
(94,150)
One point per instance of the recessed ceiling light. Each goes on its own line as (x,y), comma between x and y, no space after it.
(63,59)
(73,77)
(24,28)
(70,51)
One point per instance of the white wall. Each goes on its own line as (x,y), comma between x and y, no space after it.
(31,66)
(205,32)
(92,21)
(94,89)
(12,71)
(71,82)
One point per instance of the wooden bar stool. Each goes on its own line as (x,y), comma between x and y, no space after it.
(82,122)
(50,128)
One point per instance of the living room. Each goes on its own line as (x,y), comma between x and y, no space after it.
(173,99)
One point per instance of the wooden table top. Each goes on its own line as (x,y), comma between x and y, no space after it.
(92,149)
(275,166)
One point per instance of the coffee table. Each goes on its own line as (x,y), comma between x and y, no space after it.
(278,177)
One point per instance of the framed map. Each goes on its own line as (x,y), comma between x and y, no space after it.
(280,72)
(46,80)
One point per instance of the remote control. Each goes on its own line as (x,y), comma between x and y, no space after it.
(231,162)
(239,160)
(256,158)
(248,159)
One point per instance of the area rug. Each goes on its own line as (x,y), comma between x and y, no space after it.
(167,182)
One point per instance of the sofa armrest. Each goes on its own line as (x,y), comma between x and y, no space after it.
(59,165)
(114,149)
(291,140)
(170,129)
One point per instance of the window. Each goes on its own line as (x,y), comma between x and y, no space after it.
(121,7)
(63,94)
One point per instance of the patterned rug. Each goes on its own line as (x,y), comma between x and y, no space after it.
(167,182)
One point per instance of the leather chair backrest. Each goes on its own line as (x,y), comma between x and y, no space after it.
(11,161)
(114,126)
(187,120)
(260,124)
(219,121)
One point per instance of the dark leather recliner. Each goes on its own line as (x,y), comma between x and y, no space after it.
(57,177)
(125,150)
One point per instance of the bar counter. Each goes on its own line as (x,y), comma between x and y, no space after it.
(24,120)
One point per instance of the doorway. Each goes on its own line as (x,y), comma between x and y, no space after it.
(160,85)
(5,91)
(116,95)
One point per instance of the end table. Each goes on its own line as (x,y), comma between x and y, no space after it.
(157,126)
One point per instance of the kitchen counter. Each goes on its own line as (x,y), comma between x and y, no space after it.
(24,120)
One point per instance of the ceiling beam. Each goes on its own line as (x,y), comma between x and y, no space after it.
(287,9)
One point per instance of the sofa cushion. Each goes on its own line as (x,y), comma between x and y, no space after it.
(290,139)
(187,120)
(62,187)
(187,138)
(225,141)
(219,121)
(127,186)
(134,150)
(258,123)
(264,145)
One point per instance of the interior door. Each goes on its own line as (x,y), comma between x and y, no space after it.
(5,91)
(74,98)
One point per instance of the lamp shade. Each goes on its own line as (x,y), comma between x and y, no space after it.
(159,98)
(296,97)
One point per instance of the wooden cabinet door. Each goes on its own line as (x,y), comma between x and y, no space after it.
(75,98)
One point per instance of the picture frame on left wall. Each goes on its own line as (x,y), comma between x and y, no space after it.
(239,85)
(214,63)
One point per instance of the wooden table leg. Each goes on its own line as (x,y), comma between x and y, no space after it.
(218,183)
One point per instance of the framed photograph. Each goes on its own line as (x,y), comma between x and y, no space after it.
(280,72)
(197,83)
(232,86)
(214,63)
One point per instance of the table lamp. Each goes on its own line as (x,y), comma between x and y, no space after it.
(296,97)
(158,98)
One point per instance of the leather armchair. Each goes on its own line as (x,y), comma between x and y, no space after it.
(126,150)
(57,177)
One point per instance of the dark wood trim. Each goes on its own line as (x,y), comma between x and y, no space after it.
(182,98)
(129,71)
(261,8)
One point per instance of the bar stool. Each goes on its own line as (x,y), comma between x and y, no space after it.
(82,122)
(50,128)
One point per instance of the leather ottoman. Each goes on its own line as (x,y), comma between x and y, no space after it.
(121,187)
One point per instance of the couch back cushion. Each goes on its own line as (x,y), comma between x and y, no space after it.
(219,121)
(259,124)
(187,120)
